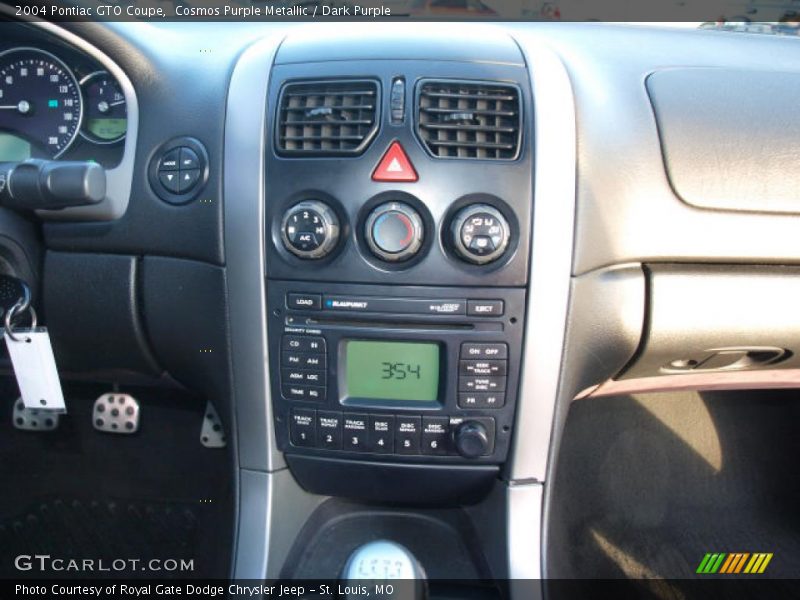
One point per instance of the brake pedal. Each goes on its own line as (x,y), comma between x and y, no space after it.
(212,435)
(33,419)
(116,413)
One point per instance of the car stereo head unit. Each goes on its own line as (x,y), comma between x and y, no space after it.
(361,372)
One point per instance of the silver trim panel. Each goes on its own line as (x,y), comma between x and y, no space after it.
(245,144)
(551,258)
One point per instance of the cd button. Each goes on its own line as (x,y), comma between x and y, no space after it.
(381,434)
(355,432)
(329,430)
(407,435)
(299,343)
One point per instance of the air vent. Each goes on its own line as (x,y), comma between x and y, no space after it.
(327,118)
(462,119)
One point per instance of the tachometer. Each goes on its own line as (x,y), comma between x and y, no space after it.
(105,119)
(40,100)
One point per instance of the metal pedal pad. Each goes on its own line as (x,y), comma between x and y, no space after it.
(116,413)
(34,419)
(212,435)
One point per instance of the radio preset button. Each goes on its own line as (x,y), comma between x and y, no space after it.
(435,432)
(381,434)
(482,400)
(407,435)
(302,427)
(297,301)
(485,308)
(329,430)
(470,351)
(483,367)
(481,384)
(301,343)
(355,432)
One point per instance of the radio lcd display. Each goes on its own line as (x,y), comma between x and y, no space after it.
(403,371)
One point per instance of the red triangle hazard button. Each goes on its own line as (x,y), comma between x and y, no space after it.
(395,166)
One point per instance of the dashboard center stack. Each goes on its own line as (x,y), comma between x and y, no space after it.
(398,220)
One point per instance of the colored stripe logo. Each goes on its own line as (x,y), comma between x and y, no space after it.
(734,563)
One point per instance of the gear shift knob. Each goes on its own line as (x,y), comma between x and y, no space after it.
(387,569)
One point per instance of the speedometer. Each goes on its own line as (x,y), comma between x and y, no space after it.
(40,100)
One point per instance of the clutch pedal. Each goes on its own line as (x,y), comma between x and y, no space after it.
(33,419)
(116,413)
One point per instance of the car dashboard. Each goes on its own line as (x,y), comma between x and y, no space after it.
(396,260)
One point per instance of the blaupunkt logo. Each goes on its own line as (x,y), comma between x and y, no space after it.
(734,563)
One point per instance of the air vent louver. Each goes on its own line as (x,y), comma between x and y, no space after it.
(459,119)
(327,118)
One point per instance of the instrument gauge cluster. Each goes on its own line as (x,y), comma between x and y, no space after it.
(54,105)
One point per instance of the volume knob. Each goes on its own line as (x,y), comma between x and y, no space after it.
(471,439)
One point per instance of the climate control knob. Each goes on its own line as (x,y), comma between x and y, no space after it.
(310,229)
(480,234)
(394,231)
(471,439)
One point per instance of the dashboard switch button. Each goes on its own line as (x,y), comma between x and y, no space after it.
(435,431)
(395,166)
(304,301)
(189,159)
(170,161)
(485,308)
(188,180)
(170,180)
(381,434)
(329,430)
(303,427)
(407,435)
(355,432)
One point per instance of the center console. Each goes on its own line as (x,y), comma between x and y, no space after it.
(398,218)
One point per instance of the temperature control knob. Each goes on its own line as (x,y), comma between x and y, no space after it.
(471,439)
(394,231)
(480,234)
(310,229)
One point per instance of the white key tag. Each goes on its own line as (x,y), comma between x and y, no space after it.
(35,368)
